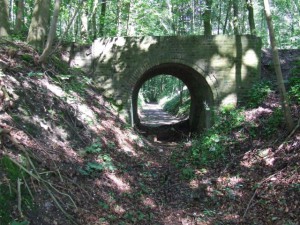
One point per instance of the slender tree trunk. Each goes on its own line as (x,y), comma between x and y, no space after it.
(102,18)
(52,32)
(119,18)
(39,24)
(93,20)
(281,87)
(4,18)
(251,17)
(19,18)
(227,16)
(84,31)
(235,18)
(193,16)
(207,18)
(129,19)
(219,16)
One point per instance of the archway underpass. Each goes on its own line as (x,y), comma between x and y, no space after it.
(218,70)
(200,113)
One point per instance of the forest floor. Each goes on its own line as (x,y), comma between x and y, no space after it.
(67,157)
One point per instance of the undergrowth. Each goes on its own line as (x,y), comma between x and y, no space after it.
(178,105)
(229,130)
(258,93)
(9,191)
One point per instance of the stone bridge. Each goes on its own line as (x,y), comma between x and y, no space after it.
(216,69)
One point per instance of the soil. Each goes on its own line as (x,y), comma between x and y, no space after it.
(86,166)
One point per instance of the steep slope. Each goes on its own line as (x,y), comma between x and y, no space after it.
(66,157)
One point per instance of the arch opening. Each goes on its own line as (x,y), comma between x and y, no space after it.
(163,100)
(201,106)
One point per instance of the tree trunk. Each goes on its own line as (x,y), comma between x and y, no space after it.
(52,32)
(235,18)
(207,18)
(4,18)
(39,24)
(84,23)
(119,18)
(226,18)
(281,87)
(251,17)
(19,19)
(93,20)
(102,18)
(219,16)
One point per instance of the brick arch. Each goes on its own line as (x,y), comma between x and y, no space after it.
(221,68)
(202,100)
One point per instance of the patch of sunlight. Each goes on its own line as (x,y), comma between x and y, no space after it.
(119,209)
(128,150)
(147,42)
(230,181)
(120,67)
(43,124)
(266,156)
(225,45)
(120,184)
(103,48)
(194,184)
(217,61)
(54,89)
(120,41)
(85,113)
(149,202)
(250,59)
(229,99)
(243,72)
(108,83)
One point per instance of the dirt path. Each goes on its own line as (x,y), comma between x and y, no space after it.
(154,115)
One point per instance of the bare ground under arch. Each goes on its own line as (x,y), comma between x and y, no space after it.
(161,124)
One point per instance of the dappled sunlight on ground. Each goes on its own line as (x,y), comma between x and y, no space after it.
(101,171)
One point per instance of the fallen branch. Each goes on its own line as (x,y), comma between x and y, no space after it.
(34,174)
(19,183)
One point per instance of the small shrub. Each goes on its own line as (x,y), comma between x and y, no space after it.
(273,123)
(258,93)
(94,168)
(94,148)
(187,173)
(213,143)
(294,90)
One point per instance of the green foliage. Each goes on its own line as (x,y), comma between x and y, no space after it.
(76,82)
(272,123)
(20,223)
(104,161)
(212,144)
(8,190)
(187,173)
(294,90)
(179,105)
(258,93)
(94,148)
